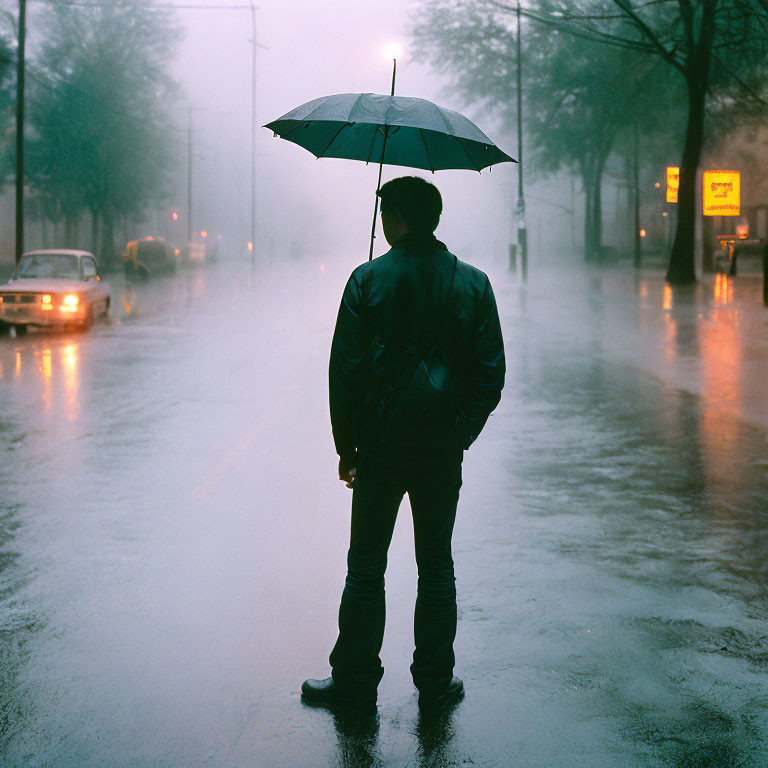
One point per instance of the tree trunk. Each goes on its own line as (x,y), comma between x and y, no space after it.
(681,269)
(69,230)
(588,238)
(593,209)
(108,254)
(635,197)
(95,233)
(597,217)
(708,238)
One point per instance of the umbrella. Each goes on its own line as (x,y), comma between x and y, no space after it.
(397,130)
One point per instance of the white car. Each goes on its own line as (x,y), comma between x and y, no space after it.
(55,287)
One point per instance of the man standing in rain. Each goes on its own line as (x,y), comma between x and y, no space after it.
(417,366)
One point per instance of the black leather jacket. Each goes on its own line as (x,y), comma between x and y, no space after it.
(390,310)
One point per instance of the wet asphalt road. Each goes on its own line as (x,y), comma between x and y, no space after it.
(172,535)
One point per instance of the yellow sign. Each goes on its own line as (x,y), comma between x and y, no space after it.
(673,183)
(722,193)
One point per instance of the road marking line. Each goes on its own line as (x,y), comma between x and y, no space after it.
(203,490)
(289,392)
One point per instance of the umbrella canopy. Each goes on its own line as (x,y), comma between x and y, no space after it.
(414,133)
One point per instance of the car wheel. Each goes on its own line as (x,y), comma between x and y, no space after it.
(20,329)
(88,322)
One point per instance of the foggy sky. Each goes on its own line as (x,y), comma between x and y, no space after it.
(314,49)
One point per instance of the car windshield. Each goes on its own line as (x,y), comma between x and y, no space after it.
(61,266)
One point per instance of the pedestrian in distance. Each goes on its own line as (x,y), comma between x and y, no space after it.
(416,367)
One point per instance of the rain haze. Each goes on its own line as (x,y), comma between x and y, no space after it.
(312,50)
(173,531)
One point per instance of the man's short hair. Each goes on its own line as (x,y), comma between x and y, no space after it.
(415,199)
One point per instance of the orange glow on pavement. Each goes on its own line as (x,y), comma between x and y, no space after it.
(46,365)
(723,290)
(69,365)
(667,301)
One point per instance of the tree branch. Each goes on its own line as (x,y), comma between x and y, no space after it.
(744,86)
(649,34)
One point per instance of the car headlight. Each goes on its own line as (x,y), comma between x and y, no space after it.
(69,303)
(46,301)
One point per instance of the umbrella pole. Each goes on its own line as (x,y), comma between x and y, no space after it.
(381,166)
(376,197)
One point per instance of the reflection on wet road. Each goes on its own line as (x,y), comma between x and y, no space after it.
(172,535)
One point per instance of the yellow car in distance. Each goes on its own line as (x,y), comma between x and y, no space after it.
(148,258)
(57,287)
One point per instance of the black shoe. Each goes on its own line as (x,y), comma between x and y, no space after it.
(453,692)
(327,691)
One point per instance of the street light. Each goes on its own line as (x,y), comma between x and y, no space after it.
(254,45)
(522,234)
(22,36)
(392,50)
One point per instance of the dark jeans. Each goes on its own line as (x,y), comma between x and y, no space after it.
(378,490)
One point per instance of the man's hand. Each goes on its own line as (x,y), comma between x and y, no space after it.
(347,470)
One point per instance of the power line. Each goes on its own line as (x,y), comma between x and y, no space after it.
(588,33)
(179,6)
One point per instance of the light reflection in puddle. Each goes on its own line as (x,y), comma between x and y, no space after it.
(723,290)
(50,372)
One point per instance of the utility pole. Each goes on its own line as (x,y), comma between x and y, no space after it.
(189,177)
(522,234)
(20,130)
(253,132)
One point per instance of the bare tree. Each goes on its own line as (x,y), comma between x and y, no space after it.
(100,114)
(719,47)
(580,94)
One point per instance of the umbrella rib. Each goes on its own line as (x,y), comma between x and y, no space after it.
(474,165)
(298,124)
(327,146)
(370,152)
(426,151)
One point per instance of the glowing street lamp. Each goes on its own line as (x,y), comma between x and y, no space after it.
(392,50)
(203,234)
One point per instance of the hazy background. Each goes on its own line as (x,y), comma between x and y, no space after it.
(308,206)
